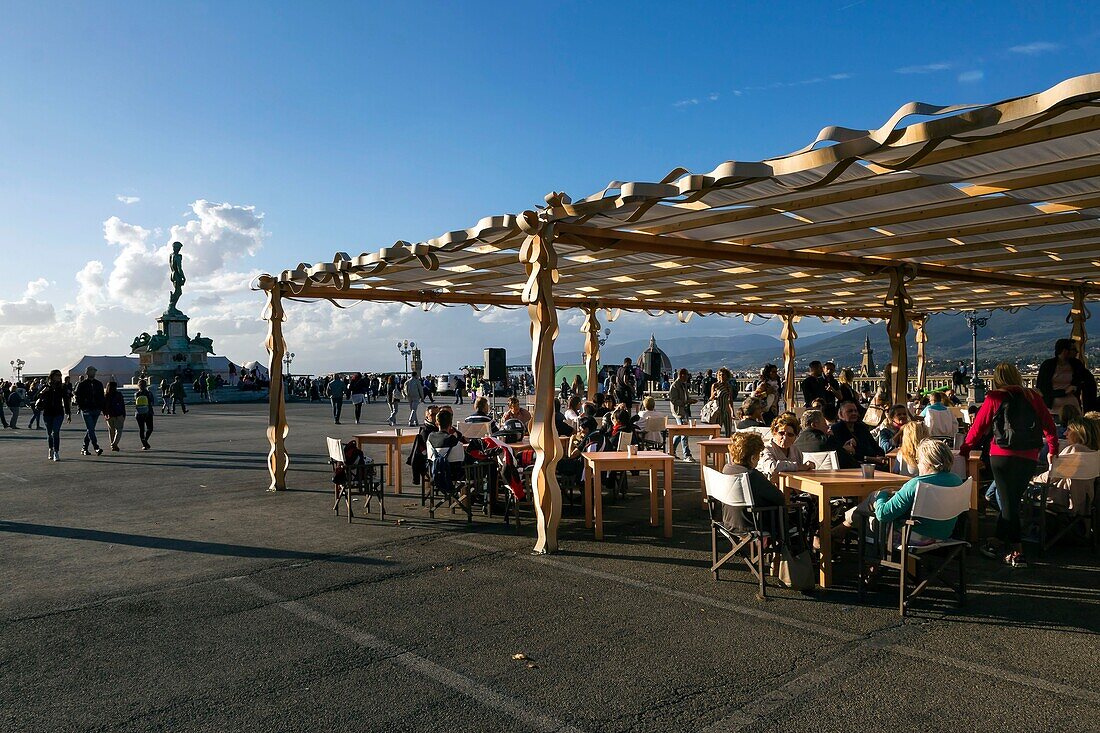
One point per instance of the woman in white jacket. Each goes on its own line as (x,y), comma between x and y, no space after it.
(939,419)
(1082,436)
(780,453)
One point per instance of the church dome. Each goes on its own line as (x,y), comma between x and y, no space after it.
(660,357)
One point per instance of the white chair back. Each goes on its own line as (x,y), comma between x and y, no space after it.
(457,454)
(475,429)
(335,449)
(729,489)
(763,432)
(1082,466)
(624,440)
(874,416)
(656,424)
(941,502)
(823,460)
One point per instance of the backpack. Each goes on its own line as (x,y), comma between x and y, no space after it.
(1015,424)
(441,472)
(710,409)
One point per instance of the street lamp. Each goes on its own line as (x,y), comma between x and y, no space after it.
(17,368)
(286,360)
(405,348)
(977,389)
(606,336)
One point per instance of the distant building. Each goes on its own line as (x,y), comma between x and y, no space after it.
(867,368)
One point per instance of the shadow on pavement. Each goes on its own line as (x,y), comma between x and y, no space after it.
(179,545)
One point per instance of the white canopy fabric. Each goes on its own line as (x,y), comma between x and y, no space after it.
(122,369)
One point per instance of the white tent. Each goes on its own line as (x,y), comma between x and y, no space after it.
(122,369)
(261,369)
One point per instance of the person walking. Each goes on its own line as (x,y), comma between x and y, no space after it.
(358,387)
(143,413)
(3,401)
(460,388)
(1065,380)
(15,402)
(36,411)
(679,396)
(211,386)
(1020,423)
(55,404)
(179,393)
(336,389)
(90,401)
(165,396)
(414,393)
(114,411)
(393,399)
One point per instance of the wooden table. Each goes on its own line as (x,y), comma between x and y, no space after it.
(826,485)
(646,460)
(698,430)
(393,443)
(709,452)
(969,468)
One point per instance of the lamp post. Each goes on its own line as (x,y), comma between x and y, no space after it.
(977,389)
(606,336)
(17,368)
(287,360)
(405,348)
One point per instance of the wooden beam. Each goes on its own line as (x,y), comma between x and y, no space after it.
(920,335)
(896,328)
(417,297)
(278,460)
(872,266)
(540,262)
(790,378)
(1078,314)
(591,329)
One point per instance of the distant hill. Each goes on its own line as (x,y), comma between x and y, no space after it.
(1025,337)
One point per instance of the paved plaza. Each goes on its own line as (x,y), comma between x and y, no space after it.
(169,591)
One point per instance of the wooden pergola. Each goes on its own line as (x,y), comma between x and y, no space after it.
(972,207)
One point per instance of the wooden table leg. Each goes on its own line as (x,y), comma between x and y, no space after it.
(824,516)
(668,498)
(588,482)
(597,502)
(397,468)
(389,462)
(703,455)
(652,497)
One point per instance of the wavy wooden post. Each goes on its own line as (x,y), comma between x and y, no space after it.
(277,429)
(899,302)
(920,335)
(540,261)
(788,335)
(1078,314)
(591,328)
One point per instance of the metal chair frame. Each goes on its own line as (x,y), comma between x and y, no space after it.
(735,491)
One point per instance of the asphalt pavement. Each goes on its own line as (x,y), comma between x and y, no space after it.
(169,591)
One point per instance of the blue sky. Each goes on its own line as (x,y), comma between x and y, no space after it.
(348,126)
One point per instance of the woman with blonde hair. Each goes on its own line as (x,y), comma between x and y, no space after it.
(912,435)
(1019,422)
(1082,436)
(744,455)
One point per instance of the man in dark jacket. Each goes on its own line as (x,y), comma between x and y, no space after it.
(815,433)
(816,386)
(625,383)
(851,438)
(1065,379)
(90,402)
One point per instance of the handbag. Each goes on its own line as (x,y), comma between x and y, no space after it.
(796,571)
(708,412)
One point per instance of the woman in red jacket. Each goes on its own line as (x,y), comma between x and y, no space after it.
(1013,452)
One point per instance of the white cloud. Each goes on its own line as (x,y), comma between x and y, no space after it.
(26,312)
(923,68)
(36,287)
(218,235)
(1036,47)
(970,77)
(686,102)
(127,199)
(91,284)
(840,77)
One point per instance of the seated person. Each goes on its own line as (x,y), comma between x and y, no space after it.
(852,440)
(814,433)
(418,455)
(952,399)
(780,452)
(744,455)
(447,441)
(481,414)
(643,417)
(573,409)
(934,466)
(560,424)
(911,435)
(516,411)
(939,419)
(889,435)
(606,406)
(752,414)
(621,423)
(1082,436)
(1067,412)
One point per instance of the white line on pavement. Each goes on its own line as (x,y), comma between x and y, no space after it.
(844,636)
(476,691)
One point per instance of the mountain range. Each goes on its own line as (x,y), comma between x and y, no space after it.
(1025,337)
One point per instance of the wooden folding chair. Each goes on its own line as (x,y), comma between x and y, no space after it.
(748,545)
(916,561)
(655,425)
(826,460)
(1084,467)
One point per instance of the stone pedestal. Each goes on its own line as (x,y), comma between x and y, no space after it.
(171,351)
